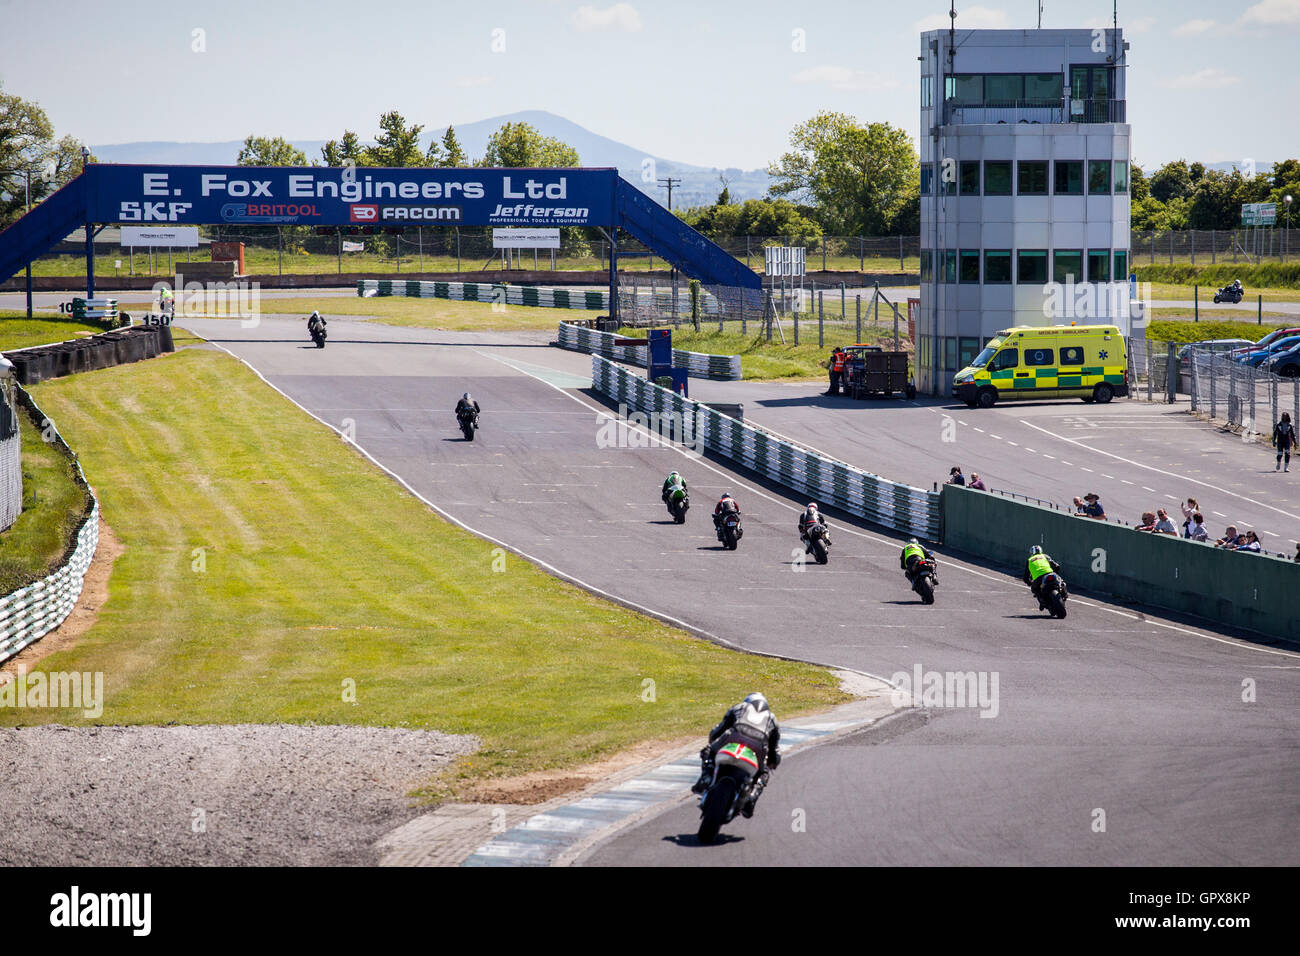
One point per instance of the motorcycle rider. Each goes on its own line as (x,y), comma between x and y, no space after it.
(315,321)
(1038,565)
(466,404)
(671,484)
(913,554)
(726,504)
(752,724)
(166,302)
(811,516)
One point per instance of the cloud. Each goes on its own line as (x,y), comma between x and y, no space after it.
(1273,12)
(1210,78)
(971,18)
(843,78)
(1192,27)
(621,16)
(470,82)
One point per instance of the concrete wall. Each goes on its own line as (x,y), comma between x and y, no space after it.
(1250,591)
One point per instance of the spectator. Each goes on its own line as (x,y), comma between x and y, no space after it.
(1297,552)
(1148,522)
(1189,509)
(955,477)
(1163,524)
(1283,438)
(976,482)
(1229,540)
(1197,530)
(1250,543)
(1089,506)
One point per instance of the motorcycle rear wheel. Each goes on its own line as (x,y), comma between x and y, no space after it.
(729,539)
(924,589)
(1056,605)
(714,812)
(820,552)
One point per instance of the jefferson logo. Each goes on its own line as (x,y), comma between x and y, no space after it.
(364,213)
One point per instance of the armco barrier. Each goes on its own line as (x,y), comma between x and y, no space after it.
(888,503)
(119,347)
(31,612)
(1251,591)
(489,292)
(719,368)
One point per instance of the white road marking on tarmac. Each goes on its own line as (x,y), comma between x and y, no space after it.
(1138,464)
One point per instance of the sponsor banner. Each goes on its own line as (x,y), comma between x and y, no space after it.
(176,237)
(159,195)
(353,246)
(525,238)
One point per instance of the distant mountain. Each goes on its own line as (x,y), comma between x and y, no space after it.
(699,186)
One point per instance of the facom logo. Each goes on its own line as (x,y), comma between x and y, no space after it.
(421,213)
(364,213)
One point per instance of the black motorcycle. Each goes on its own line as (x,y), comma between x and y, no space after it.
(1230,293)
(731,532)
(924,580)
(317,330)
(733,782)
(468,420)
(678,502)
(818,542)
(1052,594)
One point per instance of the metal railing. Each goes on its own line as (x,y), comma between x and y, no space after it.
(1035,111)
(890,504)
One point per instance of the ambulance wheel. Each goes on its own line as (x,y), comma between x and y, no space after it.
(1103,393)
(987,397)
(1087,399)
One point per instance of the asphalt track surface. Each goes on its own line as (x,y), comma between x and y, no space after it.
(1138,716)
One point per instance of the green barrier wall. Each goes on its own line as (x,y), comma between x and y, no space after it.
(1251,591)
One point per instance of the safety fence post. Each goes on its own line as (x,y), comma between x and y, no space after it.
(857,299)
(821,321)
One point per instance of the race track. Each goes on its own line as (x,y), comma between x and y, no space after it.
(1140,716)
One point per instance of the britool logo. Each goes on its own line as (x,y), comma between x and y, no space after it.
(363,213)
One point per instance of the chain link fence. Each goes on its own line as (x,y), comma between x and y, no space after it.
(1239,394)
(1206,247)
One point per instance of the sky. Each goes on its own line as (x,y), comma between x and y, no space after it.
(703,82)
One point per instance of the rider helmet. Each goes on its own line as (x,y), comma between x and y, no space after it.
(757,701)
(1035,550)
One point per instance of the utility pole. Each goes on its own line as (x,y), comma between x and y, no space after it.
(1040,14)
(27,205)
(669,183)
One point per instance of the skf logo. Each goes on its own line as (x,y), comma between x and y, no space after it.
(364,213)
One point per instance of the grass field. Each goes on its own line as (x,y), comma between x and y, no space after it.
(19,332)
(255,587)
(1184,330)
(53,506)
(445,314)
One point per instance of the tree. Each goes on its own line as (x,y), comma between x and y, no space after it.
(521,144)
(753,217)
(347,151)
(856,177)
(1172,181)
(724,197)
(1139,188)
(452,153)
(30,154)
(397,144)
(273,151)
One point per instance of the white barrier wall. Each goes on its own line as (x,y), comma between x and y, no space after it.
(719,368)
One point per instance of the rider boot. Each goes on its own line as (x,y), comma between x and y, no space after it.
(755,792)
(706,771)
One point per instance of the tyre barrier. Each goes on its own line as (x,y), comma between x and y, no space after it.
(890,504)
(31,612)
(718,368)
(120,347)
(494,292)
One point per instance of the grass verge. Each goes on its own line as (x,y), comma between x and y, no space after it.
(1184,331)
(19,332)
(763,360)
(53,507)
(444,314)
(269,568)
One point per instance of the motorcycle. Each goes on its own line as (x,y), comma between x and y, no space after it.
(818,541)
(1230,293)
(1052,594)
(925,580)
(678,503)
(734,777)
(317,334)
(468,420)
(731,532)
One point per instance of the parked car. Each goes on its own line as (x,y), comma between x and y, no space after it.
(1211,345)
(1266,340)
(1285,363)
(1257,357)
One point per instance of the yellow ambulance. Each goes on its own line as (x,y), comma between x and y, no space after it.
(1059,361)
